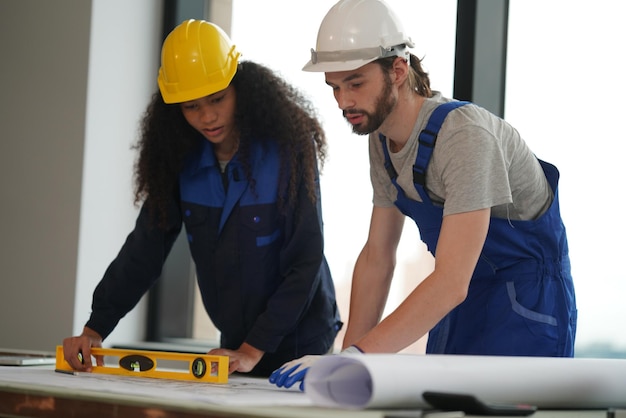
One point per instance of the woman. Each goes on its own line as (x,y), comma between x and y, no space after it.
(229,150)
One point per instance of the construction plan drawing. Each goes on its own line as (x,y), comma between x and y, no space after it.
(362,381)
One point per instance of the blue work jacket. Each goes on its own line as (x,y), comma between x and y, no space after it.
(261,271)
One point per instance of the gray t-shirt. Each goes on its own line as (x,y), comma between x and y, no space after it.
(479,161)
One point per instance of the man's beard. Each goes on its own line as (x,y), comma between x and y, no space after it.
(385,103)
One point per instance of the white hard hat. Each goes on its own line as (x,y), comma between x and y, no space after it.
(356,32)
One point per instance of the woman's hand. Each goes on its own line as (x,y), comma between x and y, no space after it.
(77,350)
(241,360)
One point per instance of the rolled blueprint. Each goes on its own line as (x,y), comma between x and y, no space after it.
(398,380)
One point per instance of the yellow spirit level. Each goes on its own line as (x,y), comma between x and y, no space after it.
(140,363)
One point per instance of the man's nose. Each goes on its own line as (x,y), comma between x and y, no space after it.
(344,100)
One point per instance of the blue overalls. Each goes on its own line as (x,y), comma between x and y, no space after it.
(521,297)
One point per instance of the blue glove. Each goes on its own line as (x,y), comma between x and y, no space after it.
(293,372)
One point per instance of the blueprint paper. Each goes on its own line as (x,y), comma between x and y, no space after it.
(240,390)
(358,381)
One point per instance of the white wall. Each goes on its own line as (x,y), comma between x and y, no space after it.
(123,64)
(44,48)
(73,82)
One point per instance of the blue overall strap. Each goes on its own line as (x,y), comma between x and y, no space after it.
(427,139)
(391,171)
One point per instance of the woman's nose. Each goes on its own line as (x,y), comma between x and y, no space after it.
(208,114)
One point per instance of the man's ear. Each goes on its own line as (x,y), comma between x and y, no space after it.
(399,70)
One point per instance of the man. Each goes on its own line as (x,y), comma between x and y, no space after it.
(486,207)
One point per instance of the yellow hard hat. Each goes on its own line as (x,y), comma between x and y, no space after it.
(197,59)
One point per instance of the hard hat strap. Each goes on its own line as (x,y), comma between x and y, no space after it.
(358,54)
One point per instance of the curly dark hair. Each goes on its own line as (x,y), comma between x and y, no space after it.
(267,109)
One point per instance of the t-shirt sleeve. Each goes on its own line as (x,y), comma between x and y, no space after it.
(473,170)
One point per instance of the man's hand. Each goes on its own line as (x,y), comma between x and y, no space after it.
(293,372)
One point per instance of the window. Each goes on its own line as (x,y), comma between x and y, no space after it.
(564,93)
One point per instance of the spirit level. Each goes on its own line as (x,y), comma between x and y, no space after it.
(140,363)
